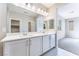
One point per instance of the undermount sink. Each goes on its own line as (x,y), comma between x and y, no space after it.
(24,33)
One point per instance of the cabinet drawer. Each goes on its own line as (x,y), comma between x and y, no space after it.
(52,41)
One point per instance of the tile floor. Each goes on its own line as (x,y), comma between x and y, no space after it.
(58,52)
(52,52)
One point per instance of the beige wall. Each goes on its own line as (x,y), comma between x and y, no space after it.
(3,10)
(52,11)
(52,14)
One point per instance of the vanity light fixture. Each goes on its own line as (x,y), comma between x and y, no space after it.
(33,8)
(38,10)
(29,5)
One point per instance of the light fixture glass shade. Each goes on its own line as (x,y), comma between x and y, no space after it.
(33,8)
(29,5)
(38,10)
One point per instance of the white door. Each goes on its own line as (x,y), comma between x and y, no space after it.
(35,46)
(16,48)
(52,41)
(46,45)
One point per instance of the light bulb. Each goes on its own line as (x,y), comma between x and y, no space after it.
(41,10)
(38,9)
(28,5)
(46,14)
(33,7)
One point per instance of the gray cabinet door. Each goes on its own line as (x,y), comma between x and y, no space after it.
(16,48)
(52,41)
(46,45)
(35,46)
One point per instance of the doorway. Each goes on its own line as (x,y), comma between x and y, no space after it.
(29,27)
(69,28)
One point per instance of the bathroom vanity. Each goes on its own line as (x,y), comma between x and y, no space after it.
(26,33)
(30,44)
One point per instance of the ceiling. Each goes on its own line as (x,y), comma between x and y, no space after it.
(66,10)
(70,10)
(48,5)
(61,4)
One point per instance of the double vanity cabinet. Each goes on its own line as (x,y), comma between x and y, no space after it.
(28,45)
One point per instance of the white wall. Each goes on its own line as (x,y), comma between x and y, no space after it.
(69,10)
(75,32)
(52,12)
(3,14)
(61,33)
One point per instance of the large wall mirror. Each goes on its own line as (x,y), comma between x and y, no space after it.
(49,24)
(45,25)
(20,25)
(23,20)
(20,21)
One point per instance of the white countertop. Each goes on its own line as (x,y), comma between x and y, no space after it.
(19,36)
